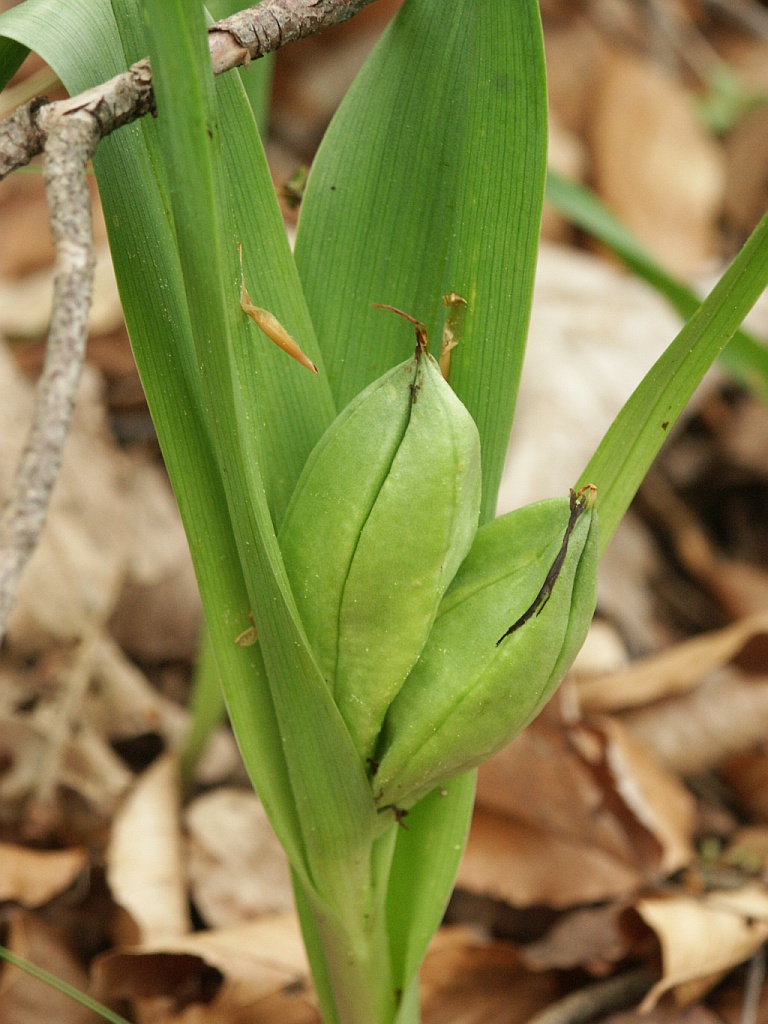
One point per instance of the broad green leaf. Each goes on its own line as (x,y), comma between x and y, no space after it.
(257,77)
(625,454)
(430,180)
(332,794)
(744,356)
(146,262)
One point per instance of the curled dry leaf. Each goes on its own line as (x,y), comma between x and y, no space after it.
(33,877)
(703,938)
(575,816)
(145,865)
(237,869)
(466,980)
(739,587)
(699,730)
(26,1000)
(676,670)
(592,938)
(255,959)
(112,537)
(654,163)
(58,720)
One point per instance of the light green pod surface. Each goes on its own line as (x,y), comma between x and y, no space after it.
(382,518)
(467,696)
(332,501)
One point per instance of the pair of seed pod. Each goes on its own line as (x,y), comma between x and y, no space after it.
(438,641)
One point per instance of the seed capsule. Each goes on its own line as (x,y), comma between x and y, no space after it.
(382,517)
(480,680)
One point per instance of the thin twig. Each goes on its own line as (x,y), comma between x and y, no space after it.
(598,1000)
(753,988)
(233,42)
(67,133)
(70,144)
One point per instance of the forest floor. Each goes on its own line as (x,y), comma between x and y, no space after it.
(619,848)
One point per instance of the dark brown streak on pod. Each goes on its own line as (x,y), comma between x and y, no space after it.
(578,505)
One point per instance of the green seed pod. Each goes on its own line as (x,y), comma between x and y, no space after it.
(480,680)
(382,516)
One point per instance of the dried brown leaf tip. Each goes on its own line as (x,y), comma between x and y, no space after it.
(453,329)
(269,324)
(422,341)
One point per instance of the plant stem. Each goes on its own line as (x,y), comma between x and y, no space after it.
(348,946)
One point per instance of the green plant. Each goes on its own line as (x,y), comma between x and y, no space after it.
(300,491)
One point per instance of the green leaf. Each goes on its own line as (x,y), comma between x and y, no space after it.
(427,855)
(332,795)
(744,356)
(625,454)
(430,180)
(257,77)
(12,56)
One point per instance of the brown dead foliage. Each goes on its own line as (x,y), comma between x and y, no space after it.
(625,828)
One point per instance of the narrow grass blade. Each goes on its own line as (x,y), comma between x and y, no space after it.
(744,356)
(62,986)
(625,454)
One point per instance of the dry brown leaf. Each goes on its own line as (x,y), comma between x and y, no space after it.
(157,613)
(654,164)
(703,938)
(112,523)
(73,579)
(25,305)
(676,670)
(85,764)
(603,330)
(465,980)
(57,722)
(292,1005)
(667,1014)
(256,959)
(574,816)
(525,866)
(625,592)
(576,57)
(602,652)
(33,877)
(746,144)
(145,866)
(747,777)
(739,587)
(24,999)
(727,714)
(237,869)
(591,939)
